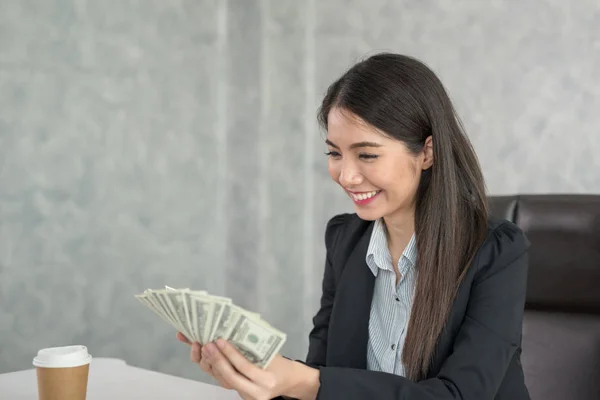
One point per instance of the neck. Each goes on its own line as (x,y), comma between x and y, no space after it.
(400,227)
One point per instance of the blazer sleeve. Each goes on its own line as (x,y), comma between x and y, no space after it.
(317,338)
(487,341)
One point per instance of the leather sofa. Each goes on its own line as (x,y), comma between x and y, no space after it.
(561,332)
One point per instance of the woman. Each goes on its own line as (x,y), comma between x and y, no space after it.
(423,293)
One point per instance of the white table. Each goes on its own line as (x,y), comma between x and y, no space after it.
(111,378)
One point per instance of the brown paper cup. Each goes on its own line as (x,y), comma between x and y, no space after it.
(62,373)
(62,383)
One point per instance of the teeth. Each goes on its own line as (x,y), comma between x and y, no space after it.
(364,196)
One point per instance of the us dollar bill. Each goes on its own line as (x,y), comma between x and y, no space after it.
(160,305)
(256,340)
(145,299)
(176,302)
(202,310)
(206,310)
(197,312)
(229,316)
(219,304)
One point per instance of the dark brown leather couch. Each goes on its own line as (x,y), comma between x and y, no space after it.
(561,332)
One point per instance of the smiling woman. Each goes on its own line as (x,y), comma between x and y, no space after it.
(430,185)
(423,293)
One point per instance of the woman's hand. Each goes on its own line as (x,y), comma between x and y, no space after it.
(281,377)
(196,356)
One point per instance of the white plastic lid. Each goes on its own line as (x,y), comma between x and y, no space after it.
(62,357)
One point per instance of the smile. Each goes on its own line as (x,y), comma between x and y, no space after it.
(364,197)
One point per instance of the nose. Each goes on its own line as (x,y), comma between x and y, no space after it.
(349,176)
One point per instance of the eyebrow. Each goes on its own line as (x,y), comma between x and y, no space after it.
(355,145)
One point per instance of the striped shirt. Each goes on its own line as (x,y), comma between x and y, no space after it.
(391,305)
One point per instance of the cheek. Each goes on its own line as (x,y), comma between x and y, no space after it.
(404,184)
(382,176)
(398,180)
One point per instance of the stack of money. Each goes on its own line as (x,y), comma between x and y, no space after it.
(204,318)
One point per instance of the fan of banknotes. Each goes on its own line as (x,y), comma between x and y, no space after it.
(204,318)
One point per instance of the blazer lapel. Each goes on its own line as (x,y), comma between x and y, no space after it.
(349,322)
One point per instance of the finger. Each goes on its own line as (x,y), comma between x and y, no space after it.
(240,363)
(183,339)
(207,367)
(223,369)
(196,353)
(221,379)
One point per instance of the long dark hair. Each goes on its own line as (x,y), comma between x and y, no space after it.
(402,97)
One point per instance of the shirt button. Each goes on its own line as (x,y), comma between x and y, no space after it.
(393,347)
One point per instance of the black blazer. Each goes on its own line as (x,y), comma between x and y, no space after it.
(478,353)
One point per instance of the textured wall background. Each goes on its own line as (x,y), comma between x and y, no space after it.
(153,142)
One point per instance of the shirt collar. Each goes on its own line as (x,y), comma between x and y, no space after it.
(378,254)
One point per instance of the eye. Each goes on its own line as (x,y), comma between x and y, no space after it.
(366,156)
(334,154)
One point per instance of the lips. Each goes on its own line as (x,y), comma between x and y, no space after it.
(358,196)
(362,198)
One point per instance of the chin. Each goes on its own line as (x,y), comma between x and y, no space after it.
(368,215)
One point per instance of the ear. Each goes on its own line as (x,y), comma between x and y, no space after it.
(428,153)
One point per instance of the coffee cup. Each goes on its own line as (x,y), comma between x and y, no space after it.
(62,372)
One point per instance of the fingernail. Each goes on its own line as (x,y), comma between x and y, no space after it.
(221,343)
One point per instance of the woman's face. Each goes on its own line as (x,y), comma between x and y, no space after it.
(378,173)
